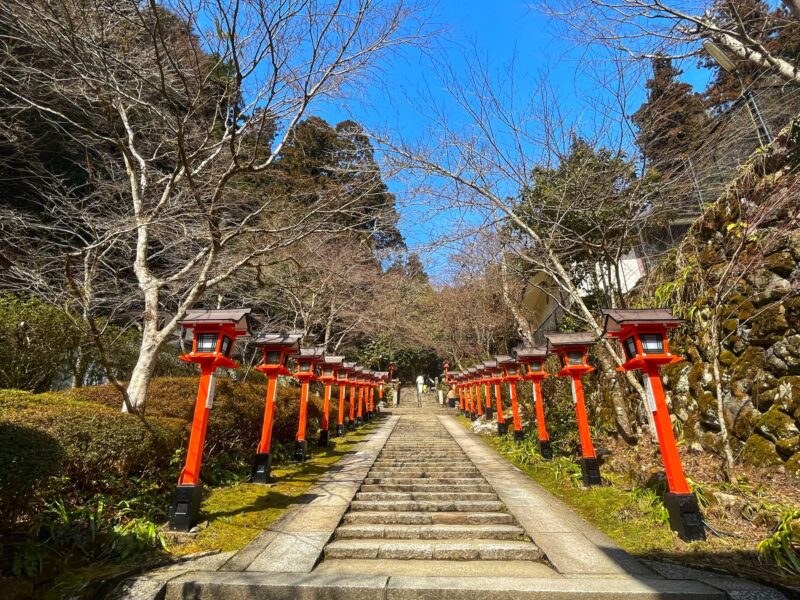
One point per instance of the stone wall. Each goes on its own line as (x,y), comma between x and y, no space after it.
(761,351)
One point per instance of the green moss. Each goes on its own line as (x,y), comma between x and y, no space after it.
(760,452)
(727,358)
(776,425)
(793,466)
(238,513)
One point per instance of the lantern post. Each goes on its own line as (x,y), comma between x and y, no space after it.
(498,373)
(511,375)
(382,379)
(572,349)
(361,378)
(342,375)
(477,383)
(369,395)
(488,376)
(330,368)
(213,335)
(471,377)
(532,360)
(307,361)
(351,424)
(462,397)
(275,349)
(642,334)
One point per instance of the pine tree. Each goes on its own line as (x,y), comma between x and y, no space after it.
(672,122)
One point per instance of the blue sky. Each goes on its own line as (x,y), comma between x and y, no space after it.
(499,31)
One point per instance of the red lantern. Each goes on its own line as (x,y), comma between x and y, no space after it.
(532,360)
(343,374)
(511,375)
(307,361)
(213,335)
(330,368)
(572,349)
(643,336)
(275,351)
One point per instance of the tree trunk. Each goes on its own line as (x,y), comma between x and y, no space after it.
(141,375)
(727,452)
(618,401)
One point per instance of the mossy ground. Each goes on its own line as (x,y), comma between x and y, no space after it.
(232,516)
(635,518)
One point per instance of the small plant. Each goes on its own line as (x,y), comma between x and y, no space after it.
(783,546)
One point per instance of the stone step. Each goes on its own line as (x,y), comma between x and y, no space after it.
(406,496)
(434,549)
(429,505)
(421,462)
(417,472)
(428,518)
(422,480)
(427,487)
(430,532)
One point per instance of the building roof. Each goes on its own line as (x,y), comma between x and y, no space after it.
(290,340)
(615,318)
(583,338)
(240,317)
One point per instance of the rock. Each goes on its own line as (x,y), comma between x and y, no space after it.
(771,287)
(725,500)
(792,466)
(783,357)
(769,326)
(788,447)
(793,243)
(776,425)
(760,452)
(745,421)
(781,263)
(696,448)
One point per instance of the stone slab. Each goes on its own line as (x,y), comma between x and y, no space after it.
(488,588)
(572,545)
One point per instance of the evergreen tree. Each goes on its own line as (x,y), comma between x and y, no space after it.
(672,122)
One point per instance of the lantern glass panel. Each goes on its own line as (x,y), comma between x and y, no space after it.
(652,343)
(629,346)
(305,366)
(535,367)
(273,357)
(512,370)
(207,342)
(328,372)
(575,357)
(342,375)
(227,345)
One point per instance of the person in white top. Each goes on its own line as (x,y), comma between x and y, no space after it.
(420,383)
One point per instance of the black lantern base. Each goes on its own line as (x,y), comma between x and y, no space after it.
(473,416)
(300,450)
(685,517)
(262,466)
(351,426)
(340,430)
(359,421)
(367,416)
(186,509)
(489,413)
(502,428)
(323,438)
(590,468)
(519,435)
(545,450)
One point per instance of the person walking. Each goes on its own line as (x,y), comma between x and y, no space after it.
(420,384)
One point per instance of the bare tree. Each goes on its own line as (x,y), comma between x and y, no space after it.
(652,28)
(182,103)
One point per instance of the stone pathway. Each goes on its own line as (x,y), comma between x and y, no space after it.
(424,499)
(425,510)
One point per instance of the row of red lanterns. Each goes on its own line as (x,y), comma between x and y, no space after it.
(642,334)
(213,334)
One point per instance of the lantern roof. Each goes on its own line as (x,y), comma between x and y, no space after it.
(239,317)
(616,318)
(490,364)
(350,366)
(333,360)
(531,352)
(563,340)
(504,359)
(472,371)
(285,340)
(358,369)
(315,353)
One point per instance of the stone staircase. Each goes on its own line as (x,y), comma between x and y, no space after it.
(424,499)
(427,403)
